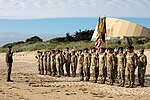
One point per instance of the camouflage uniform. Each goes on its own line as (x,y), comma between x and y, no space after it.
(94,66)
(110,67)
(73,64)
(49,64)
(38,61)
(41,64)
(45,62)
(86,66)
(53,64)
(80,66)
(115,66)
(142,68)
(131,65)
(68,61)
(62,64)
(102,67)
(121,68)
(58,64)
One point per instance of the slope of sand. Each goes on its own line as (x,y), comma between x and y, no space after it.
(28,85)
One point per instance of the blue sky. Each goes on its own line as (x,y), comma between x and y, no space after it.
(20,19)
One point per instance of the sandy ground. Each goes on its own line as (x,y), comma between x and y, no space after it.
(28,85)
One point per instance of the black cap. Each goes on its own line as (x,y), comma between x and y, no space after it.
(102,48)
(110,48)
(9,46)
(120,48)
(130,47)
(86,49)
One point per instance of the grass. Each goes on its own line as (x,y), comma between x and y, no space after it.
(49,45)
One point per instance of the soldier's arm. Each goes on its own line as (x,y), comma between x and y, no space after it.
(145,61)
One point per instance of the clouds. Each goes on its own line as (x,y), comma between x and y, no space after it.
(73,8)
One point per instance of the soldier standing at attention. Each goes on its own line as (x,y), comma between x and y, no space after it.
(86,64)
(102,65)
(62,63)
(38,60)
(110,65)
(94,65)
(80,64)
(131,65)
(45,62)
(142,67)
(121,67)
(41,63)
(68,61)
(73,63)
(53,63)
(49,63)
(9,61)
(116,64)
(58,63)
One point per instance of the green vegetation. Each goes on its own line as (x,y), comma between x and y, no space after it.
(79,40)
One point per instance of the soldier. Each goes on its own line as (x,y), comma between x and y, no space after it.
(102,65)
(110,65)
(86,64)
(53,63)
(38,60)
(121,60)
(62,63)
(94,65)
(49,63)
(41,63)
(80,64)
(73,63)
(68,61)
(45,62)
(131,64)
(142,67)
(58,63)
(116,63)
(9,61)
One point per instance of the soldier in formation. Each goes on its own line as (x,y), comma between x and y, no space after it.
(103,65)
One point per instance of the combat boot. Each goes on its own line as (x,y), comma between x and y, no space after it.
(129,83)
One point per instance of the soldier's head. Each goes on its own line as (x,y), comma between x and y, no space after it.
(57,51)
(93,49)
(130,49)
(67,48)
(110,50)
(9,48)
(73,52)
(120,49)
(102,50)
(86,50)
(141,51)
(53,51)
(38,52)
(116,50)
(80,51)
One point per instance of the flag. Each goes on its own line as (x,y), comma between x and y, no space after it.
(98,42)
(103,29)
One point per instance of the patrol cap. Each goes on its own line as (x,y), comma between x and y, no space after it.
(9,46)
(110,48)
(58,50)
(120,48)
(86,49)
(53,50)
(102,48)
(130,47)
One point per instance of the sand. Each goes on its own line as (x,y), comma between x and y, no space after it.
(28,85)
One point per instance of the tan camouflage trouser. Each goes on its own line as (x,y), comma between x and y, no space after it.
(80,66)
(121,74)
(141,74)
(131,74)
(94,70)
(86,71)
(102,72)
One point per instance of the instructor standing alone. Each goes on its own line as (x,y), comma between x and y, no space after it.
(9,61)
